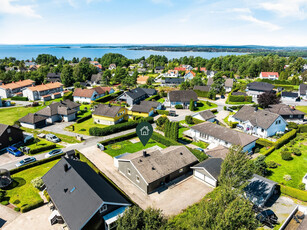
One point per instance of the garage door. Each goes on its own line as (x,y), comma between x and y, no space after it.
(210,181)
(199,175)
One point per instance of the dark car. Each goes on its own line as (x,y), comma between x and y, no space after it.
(268,218)
(14,151)
(172,113)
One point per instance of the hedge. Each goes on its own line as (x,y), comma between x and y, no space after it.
(236,107)
(118,139)
(264,142)
(285,138)
(108,97)
(240,98)
(154,97)
(293,192)
(163,112)
(197,121)
(200,155)
(68,95)
(269,151)
(179,106)
(163,140)
(19,98)
(84,118)
(96,131)
(34,205)
(202,93)
(302,128)
(41,149)
(46,195)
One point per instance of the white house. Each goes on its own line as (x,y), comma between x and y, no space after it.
(220,135)
(189,75)
(261,123)
(89,95)
(288,97)
(39,92)
(172,73)
(269,75)
(228,85)
(206,115)
(303,91)
(11,89)
(112,66)
(255,89)
(181,97)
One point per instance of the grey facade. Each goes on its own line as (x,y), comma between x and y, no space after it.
(9,135)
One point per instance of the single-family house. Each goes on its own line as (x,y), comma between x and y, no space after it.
(152,168)
(180,68)
(219,151)
(208,171)
(97,65)
(172,73)
(96,79)
(135,96)
(189,75)
(289,97)
(210,81)
(11,89)
(202,69)
(172,81)
(210,73)
(262,123)
(142,63)
(33,121)
(206,115)
(145,108)
(239,94)
(9,135)
(259,190)
(159,69)
(53,77)
(303,91)
(112,66)
(109,114)
(142,70)
(288,113)
(44,92)
(219,135)
(228,85)
(181,97)
(89,95)
(255,89)
(142,80)
(82,198)
(269,75)
(202,88)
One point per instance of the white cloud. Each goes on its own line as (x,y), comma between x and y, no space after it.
(240,10)
(7,7)
(165,2)
(256,21)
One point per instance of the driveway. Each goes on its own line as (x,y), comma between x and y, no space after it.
(171,201)
(36,219)
(7,216)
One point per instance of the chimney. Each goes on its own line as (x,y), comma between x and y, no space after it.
(66,167)
(144,153)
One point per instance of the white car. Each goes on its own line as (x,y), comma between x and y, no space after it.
(26,161)
(53,153)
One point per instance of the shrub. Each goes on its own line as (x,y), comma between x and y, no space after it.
(202,93)
(119,139)
(301,186)
(19,98)
(285,139)
(84,118)
(153,98)
(197,121)
(163,140)
(271,164)
(296,151)
(189,120)
(37,183)
(302,128)
(16,202)
(293,192)
(46,195)
(96,131)
(17,209)
(264,142)
(178,106)
(225,107)
(287,177)
(5,202)
(108,97)
(292,125)
(291,143)
(285,155)
(34,205)
(161,121)
(2,195)
(233,124)
(214,110)
(257,150)
(34,150)
(163,112)
(201,156)
(269,151)
(68,95)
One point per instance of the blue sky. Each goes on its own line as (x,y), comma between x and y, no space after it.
(239,22)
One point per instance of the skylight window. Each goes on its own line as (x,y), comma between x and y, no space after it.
(73,189)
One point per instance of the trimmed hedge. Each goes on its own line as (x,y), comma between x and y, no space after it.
(96,131)
(34,205)
(163,140)
(264,142)
(108,97)
(154,97)
(41,149)
(285,138)
(19,98)
(240,98)
(118,139)
(46,195)
(302,128)
(269,151)
(201,156)
(84,118)
(293,192)
(179,106)
(202,93)
(163,112)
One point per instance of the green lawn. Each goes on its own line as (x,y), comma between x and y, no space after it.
(296,168)
(302,108)
(82,112)
(83,127)
(161,100)
(38,143)
(240,103)
(128,147)
(22,189)
(201,144)
(204,105)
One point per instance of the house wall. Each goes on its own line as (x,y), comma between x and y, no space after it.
(206,174)
(11,137)
(70,117)
(254,94)
(271,131)
(111,120)
(4,93)
(26,125)
(288,99)
(140,114)
(82,99)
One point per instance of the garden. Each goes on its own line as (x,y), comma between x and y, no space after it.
(204,105)
(38,145)
(84,127)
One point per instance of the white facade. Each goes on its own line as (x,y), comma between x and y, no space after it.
(288,99)
(255,94)
(26,125)
(82,99)
(199,117)
(4,93)
(269,77)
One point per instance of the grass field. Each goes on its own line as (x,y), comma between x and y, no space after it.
(204,105)
(161,100)
(83,127)
(38,143)
(302,108)
(128,147)
(23,192)
(296,168)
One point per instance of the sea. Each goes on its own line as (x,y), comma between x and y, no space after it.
(27,52)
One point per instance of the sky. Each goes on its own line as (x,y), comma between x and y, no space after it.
(188,22)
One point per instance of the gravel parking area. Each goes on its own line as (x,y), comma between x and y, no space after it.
(171,201)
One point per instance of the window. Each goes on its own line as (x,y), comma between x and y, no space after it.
(8,130)
(291,116)
(128,171)
(138,179)
(103,208)
(262,130)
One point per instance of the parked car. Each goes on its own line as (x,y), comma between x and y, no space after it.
(53,153)
(172,113)
(25,161)
(14,151)
(100,146)
(268,218)
(52,138)
(200,149)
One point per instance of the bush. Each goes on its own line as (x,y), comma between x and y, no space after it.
(37,183)
(269,151)
(214,110)
(163,112)
(41,149)
(68,95)
(301,186)
(2,195)
(296,151)
(257,150)
(189,120)
(46,195)
(201,156)
(233,124)
(302,128)
(5,202)
(292,125)
(96,131)
(240,98)
(153,98)
(202,93)
(271,164)
(286,155)
(17,209)
(32,206)
(108,97)
(285,139)
(163,140)
(84,118)
(197,121)
(19,98)
(225,107)
(161,122)
(264,142)
(119,139)
(178,106)
(293,192)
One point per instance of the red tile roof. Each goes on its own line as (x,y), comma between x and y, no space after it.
(180,68)
(267,74)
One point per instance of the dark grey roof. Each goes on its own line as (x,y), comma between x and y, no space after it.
(79,192)
(258,189)
(229,135)
(303,89)
(149,92)
(4,127)
(182,96)
(260,86)
(136,93)
(239,94)
(54,75)
(153,104)
(96,77)
(211,165)
(283,109)
(204,88)
(207,115)
(210,81)
(257,117)
(229,82)
(107,110)
(62,108)
(145,108)
(32,118)
(174,80)
(70,104)
(289,94)
(218,152)
(160,68)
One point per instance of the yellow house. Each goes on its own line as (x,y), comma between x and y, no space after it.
(109,114)
(141,111)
